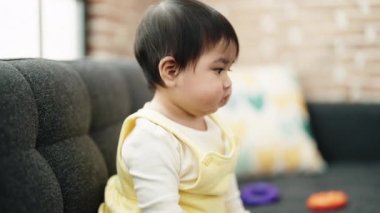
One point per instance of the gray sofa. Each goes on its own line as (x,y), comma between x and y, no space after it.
(60,121)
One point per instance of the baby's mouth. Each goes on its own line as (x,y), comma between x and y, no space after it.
(225,99)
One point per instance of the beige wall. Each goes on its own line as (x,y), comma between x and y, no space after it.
(111,26)
(334,45)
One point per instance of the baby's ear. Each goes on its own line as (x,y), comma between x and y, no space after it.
(168,70)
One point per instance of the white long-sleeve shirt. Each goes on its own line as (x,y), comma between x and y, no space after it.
(158,163)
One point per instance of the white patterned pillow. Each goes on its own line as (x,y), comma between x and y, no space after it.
(268,116)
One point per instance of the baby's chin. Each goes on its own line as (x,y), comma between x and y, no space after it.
(221,104)
(212,111)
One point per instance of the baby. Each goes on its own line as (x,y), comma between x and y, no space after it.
(173,156)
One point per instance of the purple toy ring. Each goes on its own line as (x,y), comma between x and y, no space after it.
(257,194)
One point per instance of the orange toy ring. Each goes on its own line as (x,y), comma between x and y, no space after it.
(327,200)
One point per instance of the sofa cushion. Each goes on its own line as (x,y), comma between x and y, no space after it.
(347,132)
(110,104)
(111,85)
(27,181)
(62,106)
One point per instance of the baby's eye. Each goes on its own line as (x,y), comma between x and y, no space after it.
(219,70)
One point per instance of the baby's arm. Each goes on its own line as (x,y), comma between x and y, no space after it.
(153,160)
(233,201)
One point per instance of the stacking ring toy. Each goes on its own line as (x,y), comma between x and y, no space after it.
(257,194)
(327,200)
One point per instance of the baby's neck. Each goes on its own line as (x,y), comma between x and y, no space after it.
(177,114)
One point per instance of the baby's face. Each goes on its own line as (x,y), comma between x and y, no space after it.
(206,86)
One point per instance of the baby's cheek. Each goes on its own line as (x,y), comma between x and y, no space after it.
(212,98)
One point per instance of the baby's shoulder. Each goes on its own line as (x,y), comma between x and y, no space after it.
(145,126)
(145,132)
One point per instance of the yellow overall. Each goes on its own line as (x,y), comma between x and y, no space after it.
(206,194)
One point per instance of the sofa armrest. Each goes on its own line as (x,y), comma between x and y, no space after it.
(346,132)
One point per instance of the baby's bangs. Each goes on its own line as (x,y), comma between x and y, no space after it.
(209,44)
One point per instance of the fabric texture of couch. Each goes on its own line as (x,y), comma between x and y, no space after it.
(60,121)
(59,126)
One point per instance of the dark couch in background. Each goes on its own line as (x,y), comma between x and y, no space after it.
(59,127)
(60,121)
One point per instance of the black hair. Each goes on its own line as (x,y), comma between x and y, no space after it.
(183,29)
